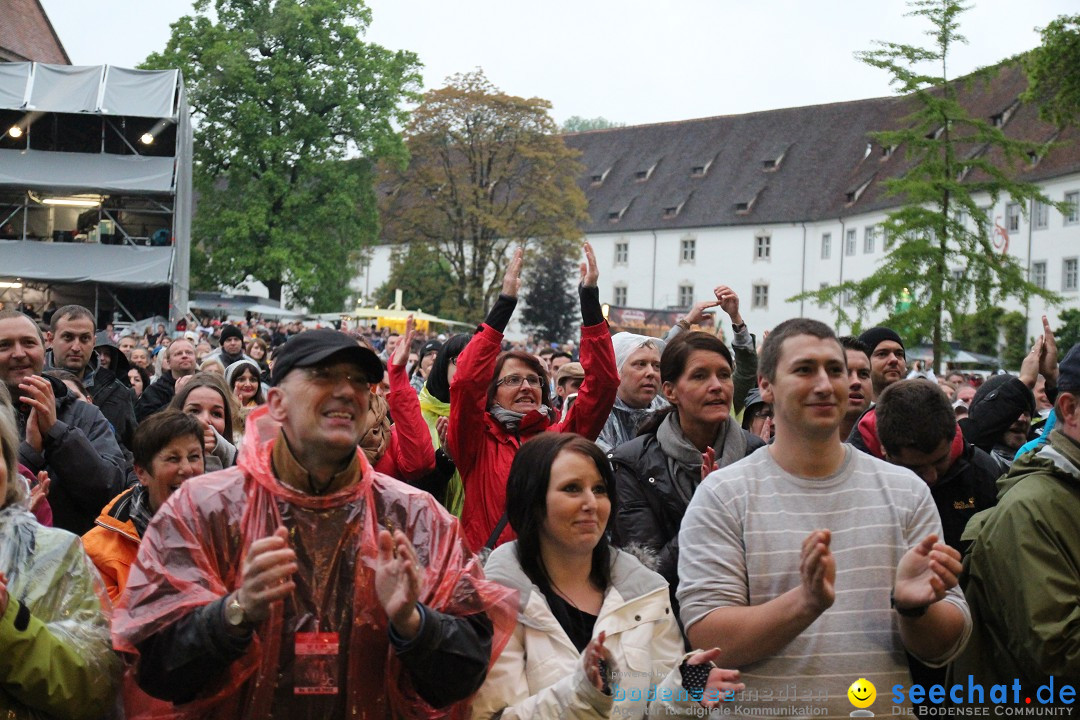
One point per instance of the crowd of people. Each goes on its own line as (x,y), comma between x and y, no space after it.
(259,520)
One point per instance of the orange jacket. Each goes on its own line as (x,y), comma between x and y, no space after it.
(113,543)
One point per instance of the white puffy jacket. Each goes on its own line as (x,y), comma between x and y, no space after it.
(540,673)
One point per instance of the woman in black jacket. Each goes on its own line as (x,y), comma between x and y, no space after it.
(658,472)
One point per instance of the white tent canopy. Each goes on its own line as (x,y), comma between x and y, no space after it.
(102,89)
(61,263)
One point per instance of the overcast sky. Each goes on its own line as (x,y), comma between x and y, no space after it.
(633,61)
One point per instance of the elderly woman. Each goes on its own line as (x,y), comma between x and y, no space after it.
(498,400)
(595,628)
(58,659)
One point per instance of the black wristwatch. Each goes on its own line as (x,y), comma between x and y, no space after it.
(907,612)
(738,328)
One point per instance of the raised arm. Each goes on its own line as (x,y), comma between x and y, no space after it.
(410,437)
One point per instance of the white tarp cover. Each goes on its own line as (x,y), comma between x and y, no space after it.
(86,172)
(101,89)
(14,80)
(61,263)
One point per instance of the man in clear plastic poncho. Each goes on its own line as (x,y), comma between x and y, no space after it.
(56,659)
(302,584)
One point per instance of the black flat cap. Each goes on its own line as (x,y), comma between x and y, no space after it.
(314,347)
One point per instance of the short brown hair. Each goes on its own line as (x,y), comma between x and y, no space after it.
(769,358)
(530,360)
(74,312)
(160,429)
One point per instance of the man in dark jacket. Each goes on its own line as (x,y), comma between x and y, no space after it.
(71,339)
(67,437)
(181,357)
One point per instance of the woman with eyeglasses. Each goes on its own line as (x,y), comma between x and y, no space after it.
(657,472)
(498,400)
(595,632)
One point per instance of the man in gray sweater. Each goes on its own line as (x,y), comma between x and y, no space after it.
(812,565)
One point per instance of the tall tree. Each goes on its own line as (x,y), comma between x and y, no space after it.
(1054,72)
(281,93)
(951,167)
(487,173)
(552,303)
(424,279)
(576,123)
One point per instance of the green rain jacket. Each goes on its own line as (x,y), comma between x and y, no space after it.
(56,658)
(1022,574)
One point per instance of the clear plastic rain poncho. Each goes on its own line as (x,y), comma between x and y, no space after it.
(193,552)
(61,664)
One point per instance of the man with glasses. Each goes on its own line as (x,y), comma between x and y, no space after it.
(286,581)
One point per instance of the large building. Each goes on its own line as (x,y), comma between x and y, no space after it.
(779,202)
(27,35)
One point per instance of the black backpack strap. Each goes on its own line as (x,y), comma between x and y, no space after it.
(490,544)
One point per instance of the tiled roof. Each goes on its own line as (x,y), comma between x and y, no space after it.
(789,165)
(27,34)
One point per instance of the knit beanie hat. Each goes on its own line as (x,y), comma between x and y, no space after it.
(230,331)
(876,335)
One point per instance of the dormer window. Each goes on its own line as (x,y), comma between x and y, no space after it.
(643,175)
(1033,157)
(616,215)
(697,171)
(774,156)
(599,178)
(1003,117)
(743,207)
(887,151)
(769,164)
(670,212)
(852,195)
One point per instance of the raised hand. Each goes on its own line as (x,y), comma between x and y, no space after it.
(1048,359)
(181,382)
(728,301)
(401,352)
(589,270)
(442,428)
(720,682)
(398,581)
(697,313)
(512,277)
(267,575)
(818,569)
(925,573)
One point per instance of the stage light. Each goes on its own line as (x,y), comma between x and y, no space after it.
(15,131)
(76,201)
(147,139)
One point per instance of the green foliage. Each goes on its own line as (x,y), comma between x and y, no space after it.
(424,280)
(1067,333)
(487,173)
(978,331)
(552,311)
(950,159)
(576,123)
(281,93)
(1014,329)
(1054,72)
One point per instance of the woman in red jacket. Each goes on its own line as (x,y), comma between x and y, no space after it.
(498,400)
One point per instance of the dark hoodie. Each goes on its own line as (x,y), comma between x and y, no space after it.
(997,404)
(109,390)
(82,457)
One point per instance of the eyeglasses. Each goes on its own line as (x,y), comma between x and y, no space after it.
(514,381)
(763,414)
(327,376)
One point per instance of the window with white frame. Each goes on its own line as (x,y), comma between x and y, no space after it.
(1068,275)
(760,297)
(1040,217)
(622,252)
(869,238)
(1072,212)
(956,280)
(762,247)
(686,295)
(887,238)
(850,241)
(619,298)
(1038,274)
(826,245)
(689,250)
(1012,217)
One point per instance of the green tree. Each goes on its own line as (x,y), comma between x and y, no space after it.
(1067,333)
(487,172)
(576,123)
(978,331)
(552,302)
(950,165)
(281,93)
(424,279)
(1053,71)
(1014,329)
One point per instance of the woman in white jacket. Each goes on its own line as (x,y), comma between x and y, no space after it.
(596,637)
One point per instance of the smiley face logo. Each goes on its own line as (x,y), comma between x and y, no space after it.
(862,693)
